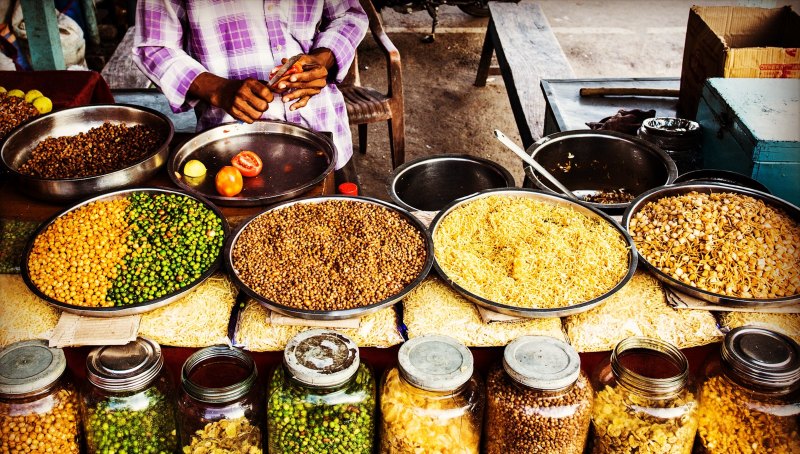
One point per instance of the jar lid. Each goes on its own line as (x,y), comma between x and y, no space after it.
(762,358)
(435,363)
(321,357)
(27,367)
(348,189)
(128,367)
(542,362)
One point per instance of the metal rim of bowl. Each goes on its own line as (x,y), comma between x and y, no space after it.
(679,189)
(333,314)
(722,177)
(672,169)
(397,173)
(20,129)
(131,309)
(538,312)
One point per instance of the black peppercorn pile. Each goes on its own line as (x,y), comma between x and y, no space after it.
(333,255)
(13,111)
(100,150)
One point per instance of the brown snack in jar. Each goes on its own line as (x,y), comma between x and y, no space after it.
(226,436)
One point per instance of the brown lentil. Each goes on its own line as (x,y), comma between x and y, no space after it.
(74,260)
(100,150)
(332,255)
(724,243)
(735,420)
(13,111)
(51,425)
(526,420)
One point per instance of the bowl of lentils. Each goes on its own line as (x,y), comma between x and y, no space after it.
(84,151)
(125,252)
(329,257)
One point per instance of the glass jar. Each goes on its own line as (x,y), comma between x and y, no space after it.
(219,407)
(432,402)
(644,402)
(322,399)
(129,404)
(38,402)
(751,395)
(539,401)
(681,139)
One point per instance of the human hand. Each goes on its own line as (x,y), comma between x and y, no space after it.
(303,85)
(244,100)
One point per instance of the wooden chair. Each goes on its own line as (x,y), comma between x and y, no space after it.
(366,105)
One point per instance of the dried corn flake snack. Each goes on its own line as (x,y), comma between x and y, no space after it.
(435,308)
(640,309)
(199,319)
(255,333)
(23,315)
(788,324)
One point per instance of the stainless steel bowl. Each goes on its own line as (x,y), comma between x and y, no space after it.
(710,188)
(330,315)
(588,162)
(721,176)
(431,183)
(131,309)
(554,199)
(69,122)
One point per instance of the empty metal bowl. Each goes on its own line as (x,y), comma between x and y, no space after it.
(591,162)
(433,182)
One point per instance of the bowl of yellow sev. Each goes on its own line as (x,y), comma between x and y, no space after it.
(528,253)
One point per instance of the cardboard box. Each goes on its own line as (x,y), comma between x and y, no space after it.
(735,41)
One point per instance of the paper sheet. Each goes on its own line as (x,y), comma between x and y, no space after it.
(74,330)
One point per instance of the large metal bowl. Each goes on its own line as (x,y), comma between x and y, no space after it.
(69,122)
(330,315)
(431,183)
(131,309)
(554,199)
(710,188)
(587,162)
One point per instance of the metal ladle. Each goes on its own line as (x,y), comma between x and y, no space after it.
(538,167)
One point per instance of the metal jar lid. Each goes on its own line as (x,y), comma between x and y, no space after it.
(760,358)
(542,362)
(213,355)
(435,363)
(28,367)
(128,367)
(321,357)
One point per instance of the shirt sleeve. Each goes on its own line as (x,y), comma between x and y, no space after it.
(158,50)
(344,24)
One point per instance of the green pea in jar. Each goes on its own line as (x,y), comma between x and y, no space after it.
(322,399)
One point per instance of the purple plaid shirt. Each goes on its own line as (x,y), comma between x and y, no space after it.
(176,40)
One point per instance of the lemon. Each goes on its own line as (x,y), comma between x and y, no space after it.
(3,89)
(43,104)
(17,92)
(32,94)
(194,169)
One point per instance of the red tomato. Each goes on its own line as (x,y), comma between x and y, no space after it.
(248,163)
(229,181)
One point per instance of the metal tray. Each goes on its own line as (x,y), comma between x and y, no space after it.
(132,309)
(295,160)
(330,315)
(554,199)
(709,188)
(69,122)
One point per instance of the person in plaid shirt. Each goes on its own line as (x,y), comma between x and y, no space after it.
(213,55)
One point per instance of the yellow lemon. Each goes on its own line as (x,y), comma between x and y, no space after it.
(43,104)
(32,94)
(3,89)
(16,92)
(194,169)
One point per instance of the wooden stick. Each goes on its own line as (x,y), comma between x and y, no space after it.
(629,91)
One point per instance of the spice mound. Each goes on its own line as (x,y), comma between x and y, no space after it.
(226,436)
(13,111)
(49,425)
(117,252)
(331,255)
(723,243)
(528,253)
(100,150)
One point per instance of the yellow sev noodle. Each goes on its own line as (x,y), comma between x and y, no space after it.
(528,253)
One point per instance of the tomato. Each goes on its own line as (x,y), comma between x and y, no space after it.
(229,181)
(248,163)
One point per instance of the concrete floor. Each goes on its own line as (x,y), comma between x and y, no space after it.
(445,113)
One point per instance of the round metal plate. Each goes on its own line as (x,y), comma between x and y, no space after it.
(331,315)
(132,309)
(295,159)
(555,199)
(710,188)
